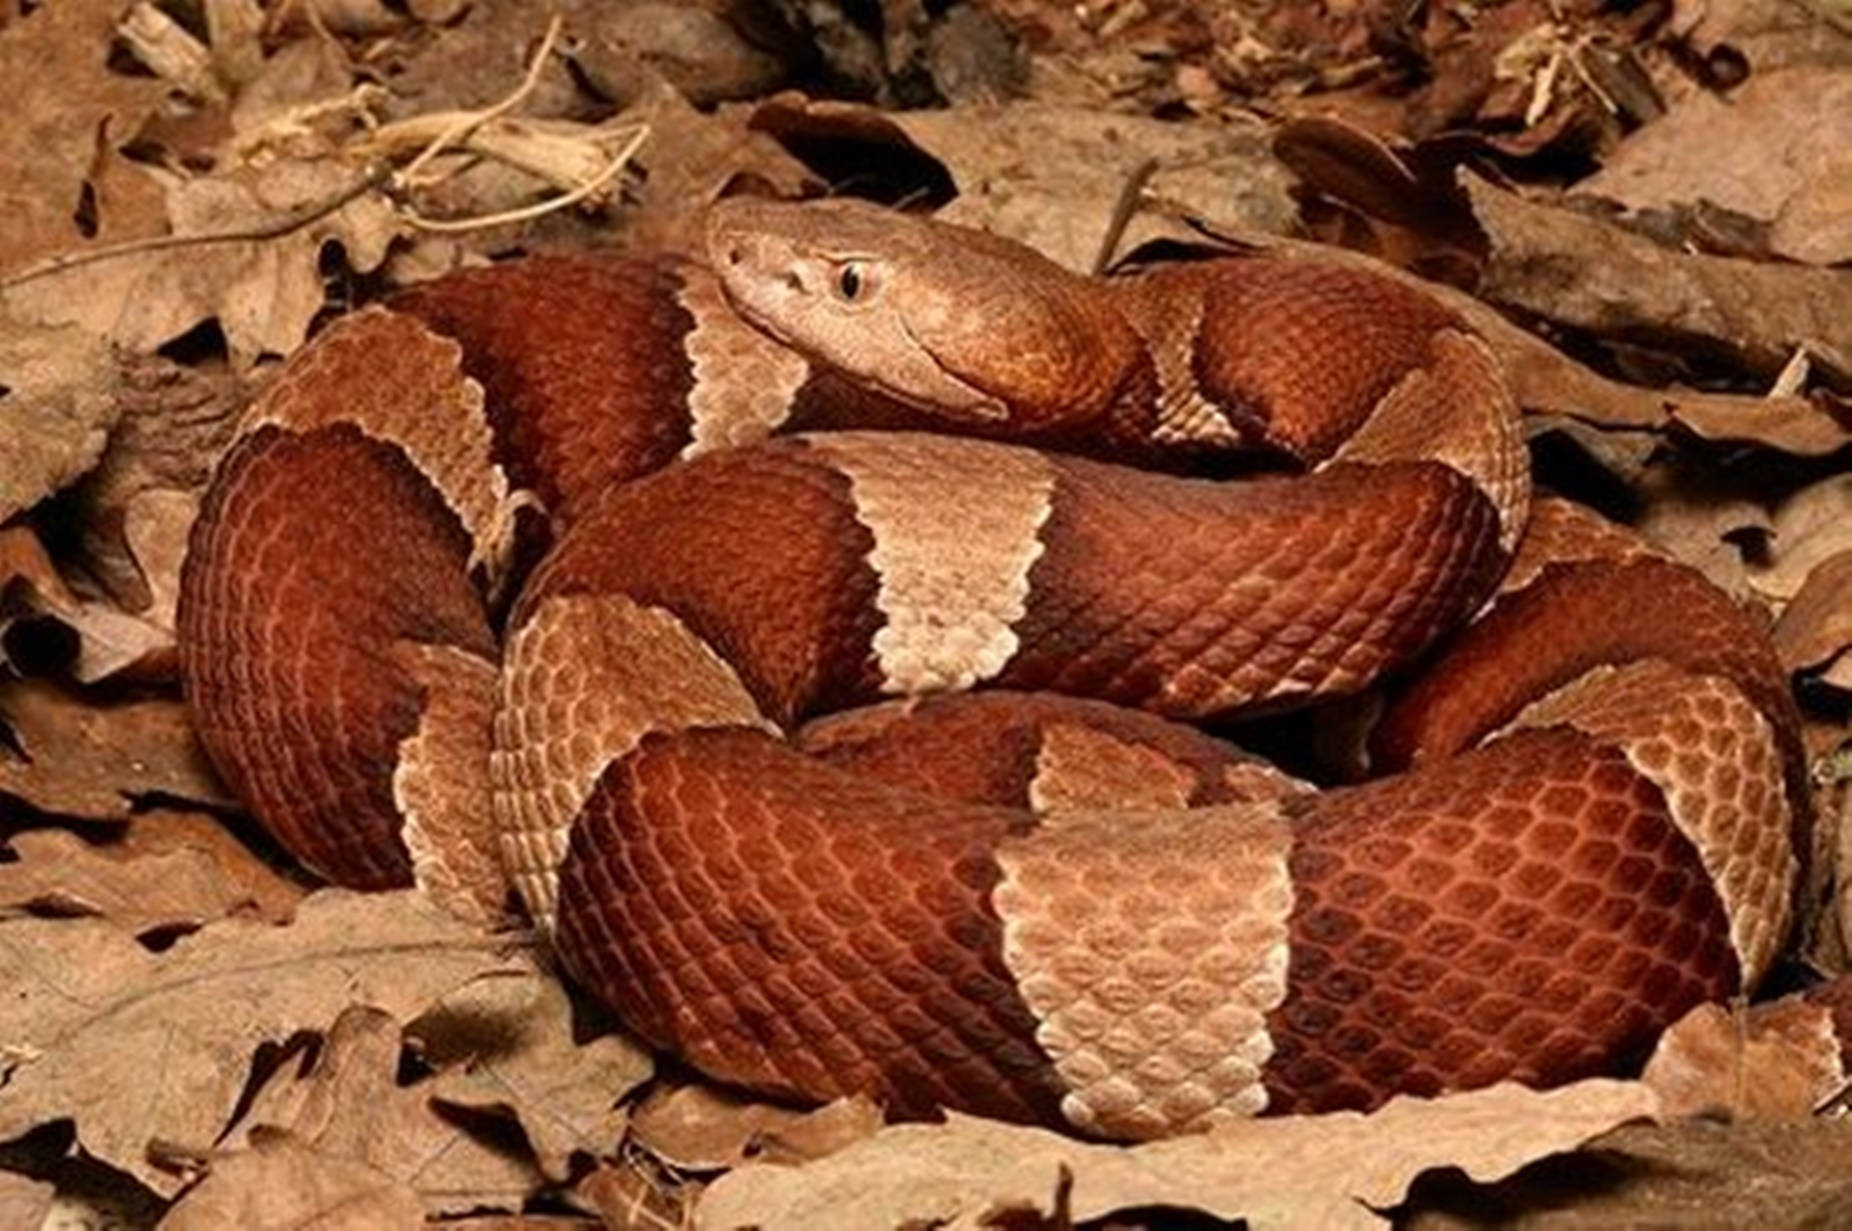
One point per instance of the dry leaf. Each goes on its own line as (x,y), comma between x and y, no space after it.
(691,159)
(350,1108)
(136,507)
(694,48)
(523,1222)
(1051,176)
(1806,530)
(93,640)
(1786,132)
(1592,275)
(707,1128)
(24,1203)
(93,760)
(282,1184)
(57,405)
(1294,1172)
(506,1047)
(143,1047)
(50,147)
(169,871)
(1767,34)
(1776,1061)
(635,1194)
(1695,1175)
(1815,631)
(263,292)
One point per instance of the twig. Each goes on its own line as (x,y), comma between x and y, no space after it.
(476,119)
(535,210)
(281,225)
(1122,212)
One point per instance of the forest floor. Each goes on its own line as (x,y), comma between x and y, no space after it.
(1647,207)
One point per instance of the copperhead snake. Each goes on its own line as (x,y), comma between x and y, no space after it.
(856,459)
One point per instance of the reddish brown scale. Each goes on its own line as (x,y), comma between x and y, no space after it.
(290,638)
(582,363)
(800,930)
(1191,598)
(758,551)
(983,747)
(1574,617)
(832,402)
(1526,911)
(1306,350)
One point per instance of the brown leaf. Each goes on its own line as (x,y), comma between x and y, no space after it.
(350,1107)
(141,1047)
(1694,1175)
(507,1047)
(136,506)
(1700,519)
(1767,34)
(1776,1061)
(1782,134)
(1307,1171)
(168,870)
(54,135)
(1807,529)
(23,1202)
(262,291)
(1814,634)
(636,1194)
(522,1222)
(282,1184)
(57,389)
(1592,275)
(1052,176)
(92,640)
(692,158)
(705,1128)
(93,760)
(701,51)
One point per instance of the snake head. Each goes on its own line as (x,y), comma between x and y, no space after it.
(952,321)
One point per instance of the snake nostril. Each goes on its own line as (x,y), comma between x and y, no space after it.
(734,255)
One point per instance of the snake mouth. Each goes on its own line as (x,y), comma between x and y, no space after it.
(774,286)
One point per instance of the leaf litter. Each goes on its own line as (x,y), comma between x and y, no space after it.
(1644,210)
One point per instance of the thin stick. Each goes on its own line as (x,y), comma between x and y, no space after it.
(1122,212)
(476,119)
(281,225)
(535,210)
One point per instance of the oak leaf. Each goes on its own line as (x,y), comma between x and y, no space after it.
(1326,1171)
(141,1048)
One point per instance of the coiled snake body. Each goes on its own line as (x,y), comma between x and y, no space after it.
(1043,899)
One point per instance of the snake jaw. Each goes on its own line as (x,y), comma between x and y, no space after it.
(781,273)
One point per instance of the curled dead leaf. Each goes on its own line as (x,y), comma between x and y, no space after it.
(1297,1172)
(93,760)
(706,1128)
(166,872)
(1593,275)
(508,1047)
(350,1109)
(282,1183)
(1814,633)
(89,1011)
(1807,529)
(57,402)
(1776,1061)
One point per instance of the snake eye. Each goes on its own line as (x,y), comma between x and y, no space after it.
(850,282)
